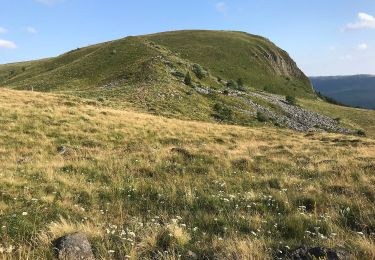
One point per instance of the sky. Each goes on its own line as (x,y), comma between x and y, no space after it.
(324,37)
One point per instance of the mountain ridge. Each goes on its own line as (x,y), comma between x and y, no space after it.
(353,90)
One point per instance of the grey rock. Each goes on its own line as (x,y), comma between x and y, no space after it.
(73,246)
(310,253)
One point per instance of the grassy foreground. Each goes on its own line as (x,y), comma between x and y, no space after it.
(142,186)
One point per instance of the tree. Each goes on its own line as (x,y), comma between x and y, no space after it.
(187,79)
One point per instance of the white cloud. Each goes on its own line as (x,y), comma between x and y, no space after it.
(362,46)
(222,8)
(31,30)
(7,44)
(365,21)
(346,57)
(49,2)
(3,30)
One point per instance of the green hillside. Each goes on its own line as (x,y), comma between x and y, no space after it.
(147,72)
(232,55)
(229,55)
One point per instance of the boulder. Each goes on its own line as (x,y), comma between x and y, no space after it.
(73,246)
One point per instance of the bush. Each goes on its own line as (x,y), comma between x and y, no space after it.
(231,84)
(198,71)
(262,117)
(361,133)
(291,100)
(178,74)
(222,112)
(187,79)
(240,82)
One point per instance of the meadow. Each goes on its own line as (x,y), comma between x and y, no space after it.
(143,186)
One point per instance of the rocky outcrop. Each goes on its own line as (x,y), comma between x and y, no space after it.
(291,116)
(296,117)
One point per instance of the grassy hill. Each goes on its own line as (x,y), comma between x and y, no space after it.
(151,166)
(147,186)
(356,91)
(147,72)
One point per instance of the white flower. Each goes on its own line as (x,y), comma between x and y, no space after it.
(24,213)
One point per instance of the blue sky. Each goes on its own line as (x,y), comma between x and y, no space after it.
(325,37)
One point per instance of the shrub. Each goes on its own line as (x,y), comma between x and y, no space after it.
(198,71)
(113,52)
(178,74)
(262,117)
(240,82)
(222,112)
(231,84)
(291,100)
(361,132)
(187,79)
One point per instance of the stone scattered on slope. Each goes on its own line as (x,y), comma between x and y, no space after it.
(293,117)
(74,246)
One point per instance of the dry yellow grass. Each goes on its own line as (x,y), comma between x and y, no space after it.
(123,177)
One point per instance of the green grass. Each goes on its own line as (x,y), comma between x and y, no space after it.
(234,55)
(148,186)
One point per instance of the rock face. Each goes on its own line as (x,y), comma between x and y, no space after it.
(306,253)
(73,247)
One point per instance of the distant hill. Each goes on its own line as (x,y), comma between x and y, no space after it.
(356,91)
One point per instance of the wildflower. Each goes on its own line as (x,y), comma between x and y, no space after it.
(111,251)
(24,213)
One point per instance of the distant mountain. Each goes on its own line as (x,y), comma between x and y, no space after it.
(356,91)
